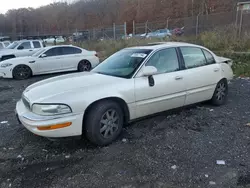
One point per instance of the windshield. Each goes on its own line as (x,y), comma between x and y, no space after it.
(39,52)
(13,45)
(123,63)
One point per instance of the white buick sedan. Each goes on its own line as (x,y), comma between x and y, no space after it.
(49,60)
(132,83)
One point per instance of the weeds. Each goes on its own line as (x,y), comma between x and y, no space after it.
(224,41)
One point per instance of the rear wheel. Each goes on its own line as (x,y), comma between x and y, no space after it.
(104,123)
(220,93)
(84,65)
(22,72)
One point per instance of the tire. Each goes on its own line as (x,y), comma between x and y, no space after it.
(22,72)
(220,94)
(84,65)
(99,123)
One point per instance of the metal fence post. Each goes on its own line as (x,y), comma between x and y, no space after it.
(125,29)
(168,22)
(94,34)
(241,19)
(114,30)
(197,25)
(133,27)
(146,27)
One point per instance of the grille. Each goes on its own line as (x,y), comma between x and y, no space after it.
(26,102)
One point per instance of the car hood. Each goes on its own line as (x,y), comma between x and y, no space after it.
(6,51)
(19,60)
(46,89)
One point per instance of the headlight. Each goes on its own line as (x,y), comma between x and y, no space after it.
(50,109)
(6,65)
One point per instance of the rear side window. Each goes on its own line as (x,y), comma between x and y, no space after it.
(1,46)
(209,57)
(36,44)
(71,50)
(193,57)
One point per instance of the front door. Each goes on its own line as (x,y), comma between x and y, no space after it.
(24,49)
(168,90)
(51,62)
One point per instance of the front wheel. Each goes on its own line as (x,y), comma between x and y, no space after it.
(104,123)
(220,93)
(22,72)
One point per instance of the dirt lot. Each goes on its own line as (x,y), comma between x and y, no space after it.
(170,150)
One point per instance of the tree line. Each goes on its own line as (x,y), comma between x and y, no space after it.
(86,14)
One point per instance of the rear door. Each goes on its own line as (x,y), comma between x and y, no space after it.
(202,74)
(71,56)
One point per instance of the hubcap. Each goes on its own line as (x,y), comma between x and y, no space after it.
(23,72)
(109,123)
(221,91)
(85,66)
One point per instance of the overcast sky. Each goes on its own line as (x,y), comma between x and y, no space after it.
(14,4)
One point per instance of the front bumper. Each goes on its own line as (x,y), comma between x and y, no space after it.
(31,121)
(6,73)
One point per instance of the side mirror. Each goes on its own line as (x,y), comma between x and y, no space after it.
(20,47)
(149,71)
(43,56)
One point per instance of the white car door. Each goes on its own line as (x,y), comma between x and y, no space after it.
(71,56)
(202,74)
(49,61)
(24,49)
(168,90)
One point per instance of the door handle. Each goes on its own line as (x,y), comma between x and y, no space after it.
(31,50)
(216,69)
(178,78)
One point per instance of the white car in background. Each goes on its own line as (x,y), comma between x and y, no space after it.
(132,83)
(49,60)
(4,44)
(51,40)
(21,48)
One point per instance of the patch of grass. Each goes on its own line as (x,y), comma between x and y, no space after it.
(223,40)
(241,65)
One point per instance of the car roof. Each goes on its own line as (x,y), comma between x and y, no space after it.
(49,47)
(159,45)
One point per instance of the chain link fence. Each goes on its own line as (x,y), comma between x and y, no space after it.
(192,26)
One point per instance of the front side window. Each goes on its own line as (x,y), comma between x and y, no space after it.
(36,44)
(25,45)
(6,44)
(193,57)
(164,61)
(53,52)
(13,45)
(123,63)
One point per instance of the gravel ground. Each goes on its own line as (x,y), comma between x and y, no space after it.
(177,149)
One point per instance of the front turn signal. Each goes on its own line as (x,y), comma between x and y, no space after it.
(53,127)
